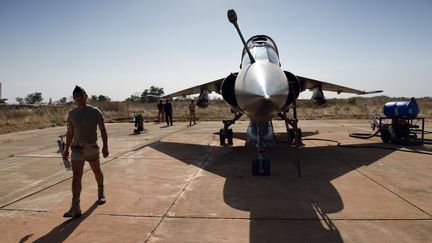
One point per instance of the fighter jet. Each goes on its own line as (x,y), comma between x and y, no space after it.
(261,89)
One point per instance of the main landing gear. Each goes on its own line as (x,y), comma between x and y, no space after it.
(294,135)
(226,133)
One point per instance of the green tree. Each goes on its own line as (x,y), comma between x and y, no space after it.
(99,98)
(20,100)
(152,95)
(34,98)
(63,100)
(103,98)
(352,101)
(93,98)
(133,98)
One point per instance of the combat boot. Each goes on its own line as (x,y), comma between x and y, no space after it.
(75,210)
(101,195)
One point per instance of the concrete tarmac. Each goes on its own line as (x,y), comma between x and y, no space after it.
(177,184)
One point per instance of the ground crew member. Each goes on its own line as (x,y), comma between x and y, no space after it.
(192,107)
(81,137)
(168,113)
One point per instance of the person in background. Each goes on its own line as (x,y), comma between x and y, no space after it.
(192,117)
(168,113)
(161,116)
(81,137)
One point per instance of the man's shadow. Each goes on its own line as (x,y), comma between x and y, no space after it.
(283,207)
(61,232)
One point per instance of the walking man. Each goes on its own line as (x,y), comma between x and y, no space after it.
(192,107)
(168,113)
(81,137)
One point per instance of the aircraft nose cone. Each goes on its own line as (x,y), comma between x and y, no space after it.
(261,105)
(261,90)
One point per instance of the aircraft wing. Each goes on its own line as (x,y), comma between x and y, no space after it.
(310,84)
(210,87)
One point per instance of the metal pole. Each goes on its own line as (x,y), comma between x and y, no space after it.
(232,17)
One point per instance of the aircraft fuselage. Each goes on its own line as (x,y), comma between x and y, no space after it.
(261,90)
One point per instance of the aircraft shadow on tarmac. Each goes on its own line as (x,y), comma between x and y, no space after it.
(62,231)
(283,207)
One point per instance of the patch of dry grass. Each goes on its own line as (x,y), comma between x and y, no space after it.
(14,118)
(360,108)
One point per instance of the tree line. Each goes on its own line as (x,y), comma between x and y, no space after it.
(153,94)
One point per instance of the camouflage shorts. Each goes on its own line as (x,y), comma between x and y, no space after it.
(89,152)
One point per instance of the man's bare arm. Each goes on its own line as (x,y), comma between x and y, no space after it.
(69,136)
(104,136)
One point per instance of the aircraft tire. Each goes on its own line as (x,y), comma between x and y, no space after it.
(221,137)
(255,167)
(230,136)
(266,167)
(299,134)
(291,133)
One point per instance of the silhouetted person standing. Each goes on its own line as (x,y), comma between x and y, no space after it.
(161,116)
(168,113)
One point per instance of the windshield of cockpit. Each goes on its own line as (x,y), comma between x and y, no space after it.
(261,52)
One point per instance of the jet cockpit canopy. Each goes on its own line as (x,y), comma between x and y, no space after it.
(262,47)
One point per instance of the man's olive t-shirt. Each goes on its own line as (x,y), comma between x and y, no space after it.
(84,122)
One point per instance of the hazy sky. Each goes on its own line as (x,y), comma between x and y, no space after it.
(119,48)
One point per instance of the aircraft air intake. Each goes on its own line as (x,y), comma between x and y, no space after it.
(227,89)
(295,88)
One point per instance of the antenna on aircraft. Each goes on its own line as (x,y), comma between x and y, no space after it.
(232,17)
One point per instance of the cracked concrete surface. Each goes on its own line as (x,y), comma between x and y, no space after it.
(176,184)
